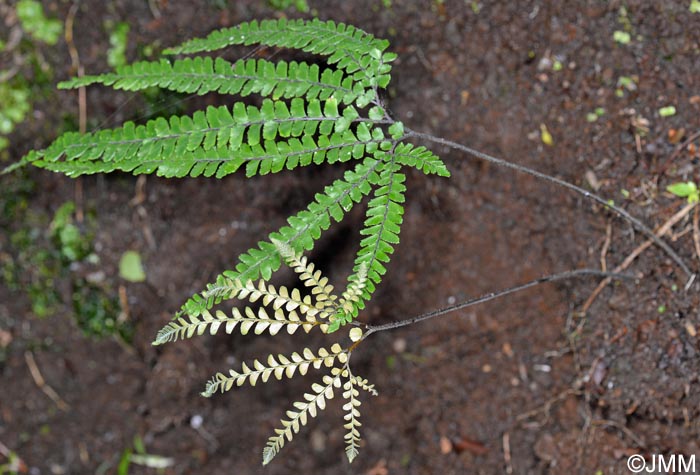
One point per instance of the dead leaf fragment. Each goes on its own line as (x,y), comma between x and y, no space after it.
(546,136)
(5,338)
(676,135)
(690,328)
(445,445)
(507,350)
(474,446)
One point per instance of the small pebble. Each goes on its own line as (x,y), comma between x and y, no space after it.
(445,445)
(399,345)
(318,441)
(196,421)
(690,328)
(507,350)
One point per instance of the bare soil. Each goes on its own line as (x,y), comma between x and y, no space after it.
(523,385)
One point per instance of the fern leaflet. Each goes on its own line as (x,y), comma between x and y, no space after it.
(201,75)
(298,417)
(382,226)
(279,367)
(420,158)
(187,327)
(351,417)
(347,47)
(217,142)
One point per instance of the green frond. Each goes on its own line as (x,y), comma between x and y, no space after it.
(298,417)
(280,367)
(218,142)
(189,326)
(420,158)
(201,75)
(320,289)
(302,230)
(347,47)
(381,230)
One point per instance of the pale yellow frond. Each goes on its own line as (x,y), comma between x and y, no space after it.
(298,417)
(278,297)
(278,367)
(189,326)
(320,288)
(351,417)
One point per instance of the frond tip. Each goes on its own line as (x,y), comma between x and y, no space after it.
(313,402)
(352,413)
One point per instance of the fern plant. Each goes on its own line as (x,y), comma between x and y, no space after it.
(309,115)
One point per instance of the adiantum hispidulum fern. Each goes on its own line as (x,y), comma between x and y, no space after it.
(309,115)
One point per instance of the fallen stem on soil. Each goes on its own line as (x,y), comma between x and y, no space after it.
(41,383)
(565,184)
(507,457)
(492,296)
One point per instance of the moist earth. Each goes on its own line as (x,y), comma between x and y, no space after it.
(527,384)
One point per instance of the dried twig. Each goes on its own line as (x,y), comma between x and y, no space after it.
(506,453)
(76,66)
(41,383)
(155,11)
(82,99)
(606,246)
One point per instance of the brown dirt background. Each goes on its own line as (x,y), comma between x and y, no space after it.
(628,383)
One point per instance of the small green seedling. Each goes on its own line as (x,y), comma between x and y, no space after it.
(299,5)
(14,107)
(131,268)
(687,190)
(622,37)
(118,38)
(31,17)
(626,83)
(667,111)
(595,115)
